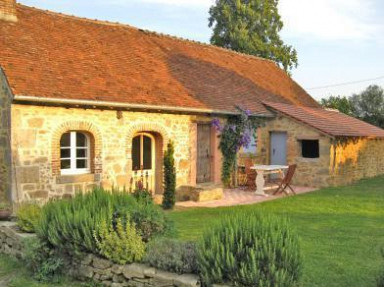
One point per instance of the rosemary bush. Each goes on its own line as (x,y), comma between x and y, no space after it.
(69,225)
(250,249)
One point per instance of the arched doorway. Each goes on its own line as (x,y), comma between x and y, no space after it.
(143,160)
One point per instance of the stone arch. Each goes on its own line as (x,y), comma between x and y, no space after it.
(161,140)
(96,144)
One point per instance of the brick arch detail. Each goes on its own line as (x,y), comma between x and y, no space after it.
(147,127)
(81,126)
(161,140)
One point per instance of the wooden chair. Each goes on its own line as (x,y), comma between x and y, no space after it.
(251,175)
(286,181)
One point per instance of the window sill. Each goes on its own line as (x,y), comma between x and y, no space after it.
(76,178)
(308,159)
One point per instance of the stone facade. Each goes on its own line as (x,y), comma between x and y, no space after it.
(340,161)
(36,149)
(353,159)
(5,139)
(310,172)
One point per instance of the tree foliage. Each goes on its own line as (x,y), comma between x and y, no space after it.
(367,105)
(339,103)
(251,27)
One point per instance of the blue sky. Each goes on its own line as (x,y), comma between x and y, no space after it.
(338,41)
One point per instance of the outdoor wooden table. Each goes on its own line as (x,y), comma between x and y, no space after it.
(266,169)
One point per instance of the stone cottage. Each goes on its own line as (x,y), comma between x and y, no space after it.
(87,102)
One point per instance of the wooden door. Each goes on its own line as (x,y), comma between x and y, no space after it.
(278,148)
(204,154)
(143,160)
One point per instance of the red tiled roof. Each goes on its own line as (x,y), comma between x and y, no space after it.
(51,55)
(330,122)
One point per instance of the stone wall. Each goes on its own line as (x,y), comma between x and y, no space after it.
(12,242)
(353,159)
(310,172)
(92,267)
(5,139)
(109,274)
(35,146)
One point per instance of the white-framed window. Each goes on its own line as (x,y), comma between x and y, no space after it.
(74,153)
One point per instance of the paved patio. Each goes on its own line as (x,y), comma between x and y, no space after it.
(241,197)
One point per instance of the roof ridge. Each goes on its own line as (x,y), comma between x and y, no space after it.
(159,34)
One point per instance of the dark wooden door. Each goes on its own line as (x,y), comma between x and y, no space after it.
(203,153)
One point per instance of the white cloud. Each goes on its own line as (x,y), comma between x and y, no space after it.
(329,19)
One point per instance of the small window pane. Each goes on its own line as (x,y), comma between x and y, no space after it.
(81,140)
(66,164)
(147,153)
(65,153)
(310,148)
(81,163)
(65,140)
(136,153)
(81,153)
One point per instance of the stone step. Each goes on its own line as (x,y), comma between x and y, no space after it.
(200,192)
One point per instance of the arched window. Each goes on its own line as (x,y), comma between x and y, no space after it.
(142,152)
(74,153)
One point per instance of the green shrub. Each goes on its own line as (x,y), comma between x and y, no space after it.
(150,221)
(28,216)
(119,242)
(43,261)
(69,224)
(250,249)
(169,198)
(172,255)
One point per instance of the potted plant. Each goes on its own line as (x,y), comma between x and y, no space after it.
(5,210)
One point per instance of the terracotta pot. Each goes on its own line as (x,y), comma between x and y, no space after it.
(5,214)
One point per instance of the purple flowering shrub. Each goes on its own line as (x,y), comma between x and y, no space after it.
(236,133)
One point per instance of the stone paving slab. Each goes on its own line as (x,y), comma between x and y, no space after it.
(233,197)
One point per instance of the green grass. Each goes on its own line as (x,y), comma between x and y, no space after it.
(341,230)
(14,274)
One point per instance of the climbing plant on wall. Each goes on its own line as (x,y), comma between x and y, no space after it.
(236,133)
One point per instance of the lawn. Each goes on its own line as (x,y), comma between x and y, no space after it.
(14,274)
(341,230)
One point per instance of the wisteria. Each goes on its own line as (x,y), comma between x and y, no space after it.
(235,134)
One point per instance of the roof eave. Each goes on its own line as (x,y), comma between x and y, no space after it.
(118,105)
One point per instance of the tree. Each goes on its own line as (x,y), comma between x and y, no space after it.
(169,178)
(369,105)
(337,102)
(251,27)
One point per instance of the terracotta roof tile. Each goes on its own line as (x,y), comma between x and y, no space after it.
(51,55)
(332,123)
